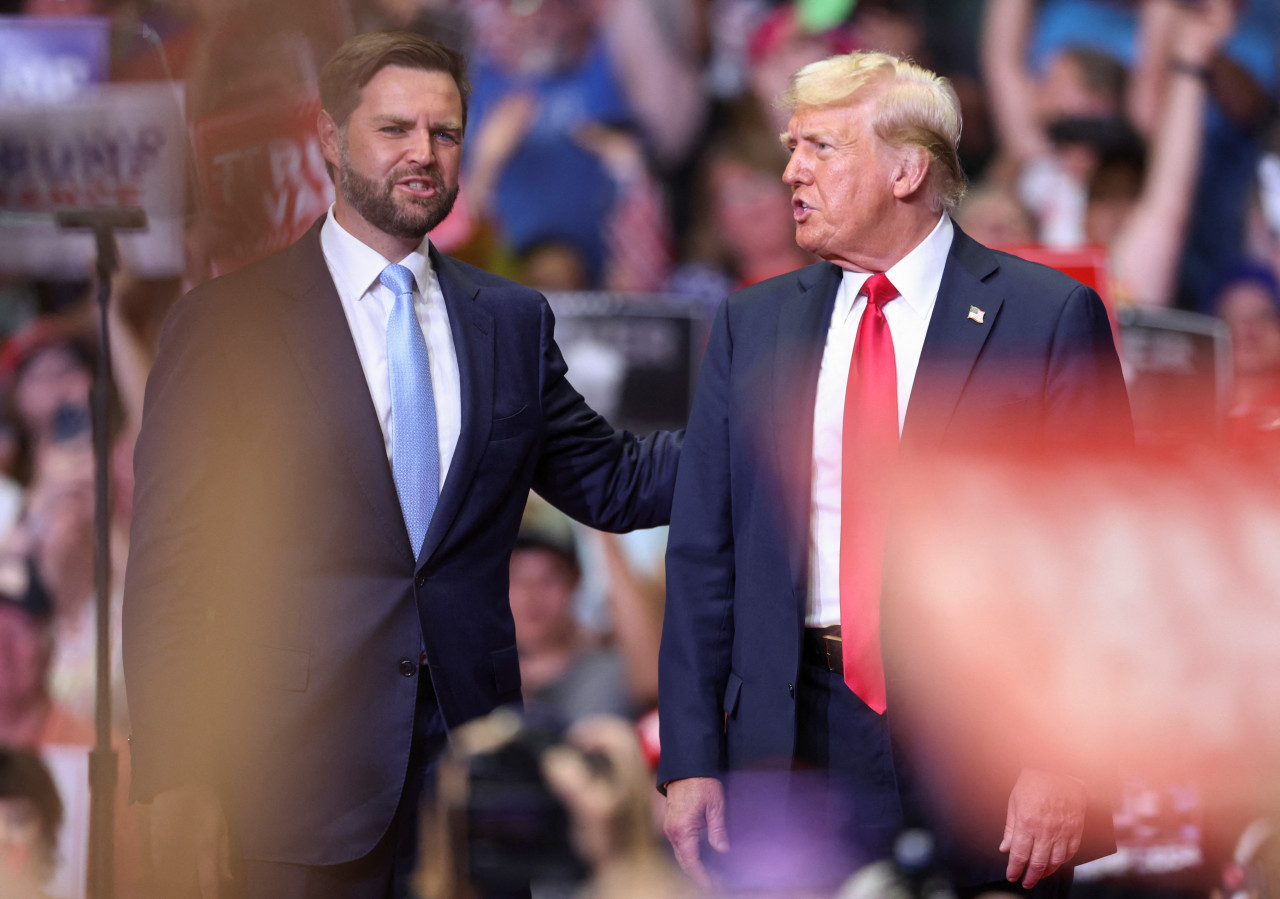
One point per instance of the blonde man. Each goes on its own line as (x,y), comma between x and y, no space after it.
(818,386)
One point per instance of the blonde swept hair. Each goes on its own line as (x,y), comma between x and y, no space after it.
(915,107)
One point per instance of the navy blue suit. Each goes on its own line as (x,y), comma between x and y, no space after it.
(1038,368)
(274,613)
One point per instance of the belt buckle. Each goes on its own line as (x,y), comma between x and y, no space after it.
(830,641)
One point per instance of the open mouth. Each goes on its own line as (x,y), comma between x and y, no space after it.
(417,187)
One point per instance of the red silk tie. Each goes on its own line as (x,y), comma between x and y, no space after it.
(870,446)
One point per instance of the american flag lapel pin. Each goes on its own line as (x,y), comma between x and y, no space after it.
(976,314)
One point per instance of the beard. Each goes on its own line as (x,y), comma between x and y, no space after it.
(376,202)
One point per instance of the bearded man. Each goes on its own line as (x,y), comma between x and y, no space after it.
(337,446)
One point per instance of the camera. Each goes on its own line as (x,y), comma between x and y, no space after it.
(516,830)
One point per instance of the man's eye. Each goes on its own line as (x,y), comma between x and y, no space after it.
(392,129)
(447,137)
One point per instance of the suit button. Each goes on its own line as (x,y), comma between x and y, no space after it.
(420,581)
(408,668)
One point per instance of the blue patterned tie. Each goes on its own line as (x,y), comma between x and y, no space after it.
(415,451)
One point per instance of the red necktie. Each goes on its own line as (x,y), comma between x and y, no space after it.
(870,446)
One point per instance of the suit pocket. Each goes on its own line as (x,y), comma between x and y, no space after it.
(506,671)
(732,692)
(511,425)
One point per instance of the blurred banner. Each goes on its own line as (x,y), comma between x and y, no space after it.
(48,60)
(68,141)
(634,357)
(261,178)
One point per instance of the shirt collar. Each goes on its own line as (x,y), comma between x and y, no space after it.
(917,275)
(356,265)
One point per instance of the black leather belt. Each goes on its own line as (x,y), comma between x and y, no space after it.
(822,647)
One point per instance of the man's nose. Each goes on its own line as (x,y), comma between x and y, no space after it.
(420,149)
(796,170)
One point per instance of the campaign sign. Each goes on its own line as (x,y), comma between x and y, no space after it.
(118,145)
(261,178)
(51,59)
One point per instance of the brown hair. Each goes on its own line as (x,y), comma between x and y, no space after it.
(354,64)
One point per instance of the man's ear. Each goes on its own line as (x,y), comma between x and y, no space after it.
(911,171)
(330,139)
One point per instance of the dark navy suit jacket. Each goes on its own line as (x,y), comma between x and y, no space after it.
(1040,369)
(274,613)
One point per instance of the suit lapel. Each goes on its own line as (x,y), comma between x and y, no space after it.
(803,322)
(952,342)
(474,338)
(319,338)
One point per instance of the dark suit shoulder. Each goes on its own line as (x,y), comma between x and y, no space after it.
(1021,281)
(500,296)
(769,290)
(241,292)
(763,298)
(473,277)
(1034,275)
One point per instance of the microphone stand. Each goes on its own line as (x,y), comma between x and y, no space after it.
(103,763)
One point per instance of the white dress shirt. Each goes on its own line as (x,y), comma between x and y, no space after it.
(355,268)
(917,277)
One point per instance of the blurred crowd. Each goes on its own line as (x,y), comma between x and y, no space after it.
(629,146)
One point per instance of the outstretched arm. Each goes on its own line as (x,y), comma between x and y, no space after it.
(1144,255)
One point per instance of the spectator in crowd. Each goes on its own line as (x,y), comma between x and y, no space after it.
(780,45)
(552,151)
(1137,203)
(1262,223)
(31,717)
(444,20)
(742,231)
(569,661)
(28,715)
(553,265)
(1204,143)
(658,48)
(30,816)
(50,373)
(993,215)
(559,665)
(49,399)
(1249,302)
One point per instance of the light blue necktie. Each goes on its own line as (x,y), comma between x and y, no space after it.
(415,450)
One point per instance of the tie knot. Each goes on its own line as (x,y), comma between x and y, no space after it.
(398,278)
(879,290)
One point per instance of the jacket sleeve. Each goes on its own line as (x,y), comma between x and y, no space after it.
(182,509)
(606,478)
(1086,402)
(697,633)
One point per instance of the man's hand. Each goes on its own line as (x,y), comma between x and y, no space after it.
(695,804)
(1045,823)
(189,846)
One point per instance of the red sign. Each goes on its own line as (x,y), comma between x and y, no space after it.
(261,177)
